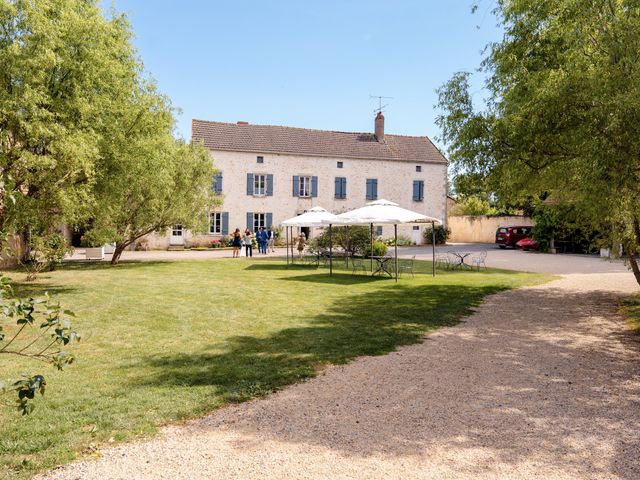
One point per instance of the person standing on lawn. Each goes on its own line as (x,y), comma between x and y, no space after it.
(301,242)
(259,239)
(248,243)
(264,238)
(271,237)
(237,243)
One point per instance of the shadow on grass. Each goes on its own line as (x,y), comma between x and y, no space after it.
(277,266)
(337,278)
(366,324)
(24,290)
(122,265)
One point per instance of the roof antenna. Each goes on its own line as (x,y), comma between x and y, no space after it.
(381,107)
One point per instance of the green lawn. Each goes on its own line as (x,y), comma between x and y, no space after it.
(630,309)
(167,341)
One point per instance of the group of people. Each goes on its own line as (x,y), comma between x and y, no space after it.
(265,238)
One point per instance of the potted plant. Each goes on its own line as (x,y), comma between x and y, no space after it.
(93,241)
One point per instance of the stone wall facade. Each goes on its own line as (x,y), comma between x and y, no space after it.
(394,182)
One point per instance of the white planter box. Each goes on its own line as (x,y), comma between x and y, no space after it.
(94,253)
(109,249)
(605,252)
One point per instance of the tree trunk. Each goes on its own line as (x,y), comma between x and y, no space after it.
(631,250)
(634,267)
(117,252)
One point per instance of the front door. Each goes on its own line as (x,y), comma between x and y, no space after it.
(415,235)
(177,235)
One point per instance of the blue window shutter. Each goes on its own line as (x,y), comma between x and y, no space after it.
(369,189)
(416,190)
(269,185)
(218,183)
(296,182)
(341,187)
(314,186)
(225,223)
(374,189)
(269,219)
(249,183)
(250,221)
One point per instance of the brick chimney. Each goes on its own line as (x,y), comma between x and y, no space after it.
(379,127)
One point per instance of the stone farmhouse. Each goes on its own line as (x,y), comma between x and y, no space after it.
(268,174)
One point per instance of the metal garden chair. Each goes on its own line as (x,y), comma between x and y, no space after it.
(406,266)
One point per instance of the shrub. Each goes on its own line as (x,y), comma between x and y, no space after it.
(54,249)
(95,237)
(403,241)
(442,234)
(474,206)
(379,249)
(43,328)
(353,239)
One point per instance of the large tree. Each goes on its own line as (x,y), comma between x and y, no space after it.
(64,67)
(146,180)
(563,113)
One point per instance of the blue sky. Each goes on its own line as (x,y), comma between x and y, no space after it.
(310,64)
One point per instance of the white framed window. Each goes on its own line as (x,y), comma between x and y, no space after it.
(259,184)
(304,187)
(215,223)
(259,220)
(176,230)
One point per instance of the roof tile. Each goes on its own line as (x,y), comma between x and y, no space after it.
(323,143)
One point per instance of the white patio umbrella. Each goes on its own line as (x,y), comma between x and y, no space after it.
(315,217)
(385,212)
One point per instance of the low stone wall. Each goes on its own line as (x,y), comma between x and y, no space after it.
(481,229)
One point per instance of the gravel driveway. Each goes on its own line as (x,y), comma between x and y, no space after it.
(541,382)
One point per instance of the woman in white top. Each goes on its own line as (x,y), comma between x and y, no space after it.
(248,243)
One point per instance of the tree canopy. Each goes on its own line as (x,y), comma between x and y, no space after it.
(85,137)
(65,68)
(563,113)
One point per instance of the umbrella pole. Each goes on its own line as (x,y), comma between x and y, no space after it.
(395,244)
(371,240)
(330,252)
(287,244)
(433,248)
(346,239)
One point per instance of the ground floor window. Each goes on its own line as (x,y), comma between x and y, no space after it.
(176,230)
(215,223)
(259,220)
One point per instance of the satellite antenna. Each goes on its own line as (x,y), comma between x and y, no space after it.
(381,107)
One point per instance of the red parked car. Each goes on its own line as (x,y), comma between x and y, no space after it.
(509,236)
(527,244)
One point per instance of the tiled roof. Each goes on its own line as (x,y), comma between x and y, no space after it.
(322,143)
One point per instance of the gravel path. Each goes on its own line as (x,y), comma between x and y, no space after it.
(541,382)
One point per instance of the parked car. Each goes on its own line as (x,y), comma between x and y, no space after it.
(528,244)
(509,236)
